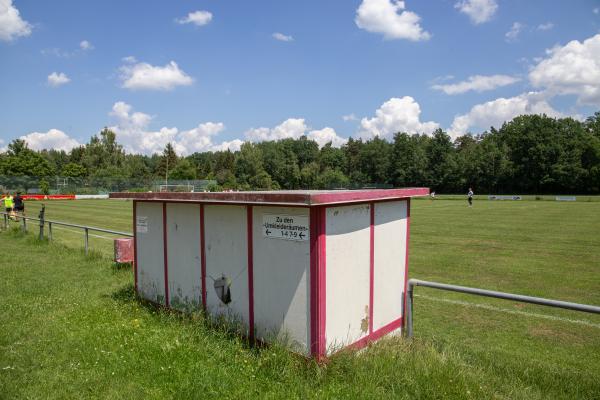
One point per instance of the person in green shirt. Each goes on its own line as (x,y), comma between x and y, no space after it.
(8,203)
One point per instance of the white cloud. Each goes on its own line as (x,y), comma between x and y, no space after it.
(53,139)
(56,52)
(545,27)
(514,31)
(199,18)
(129,59)
(198,139)
(149,77)
(86,45)
(326,135)
(58,79)
(496,112)
(290,128)
(11,24)
(349,117)
(596,10)
(573,69)
(233,145)
(477,83)
(479,11)
(390,18)
(132,129)
(396,115)
(60,53)
(283,38)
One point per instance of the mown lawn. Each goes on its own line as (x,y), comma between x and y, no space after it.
(71,326)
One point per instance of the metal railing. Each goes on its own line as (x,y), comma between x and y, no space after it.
(42,222)
(487,293)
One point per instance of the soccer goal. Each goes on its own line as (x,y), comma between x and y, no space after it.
(176,188)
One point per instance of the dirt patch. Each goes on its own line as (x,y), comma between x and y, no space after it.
(555,334)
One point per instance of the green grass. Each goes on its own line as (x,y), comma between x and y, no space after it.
(72,327)
(110,214)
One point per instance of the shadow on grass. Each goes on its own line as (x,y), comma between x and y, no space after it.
(225,327)
(118,266)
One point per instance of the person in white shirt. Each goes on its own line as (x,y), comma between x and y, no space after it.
(470,197)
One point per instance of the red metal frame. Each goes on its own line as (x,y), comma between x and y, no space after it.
(250,273)
(165,254)
(202,257)
(135,275)
(362,196)
(314,268)
(371,266)
(321,282)
(281,198)
(406,257)
(379,333)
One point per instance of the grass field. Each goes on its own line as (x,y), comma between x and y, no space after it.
(71,326)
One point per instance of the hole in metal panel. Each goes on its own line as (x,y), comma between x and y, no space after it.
(223,289)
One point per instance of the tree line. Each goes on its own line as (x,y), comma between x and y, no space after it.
(529,154)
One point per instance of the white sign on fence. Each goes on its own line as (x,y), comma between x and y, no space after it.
(566,198)
(141,224)
(504,197)
(286,227)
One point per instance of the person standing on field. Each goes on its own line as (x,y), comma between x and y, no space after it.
(470,197)
(8,203)
(19,205)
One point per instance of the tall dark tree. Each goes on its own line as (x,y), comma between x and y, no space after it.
(167,163)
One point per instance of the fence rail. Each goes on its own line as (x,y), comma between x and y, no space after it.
(42,223)
(487,293)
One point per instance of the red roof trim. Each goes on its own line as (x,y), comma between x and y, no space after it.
(296,198)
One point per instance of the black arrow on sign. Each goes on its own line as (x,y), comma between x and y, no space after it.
(301,235)
(268,232)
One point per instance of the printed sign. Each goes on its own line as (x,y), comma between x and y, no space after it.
(504,197)
(286,227)
(141,224)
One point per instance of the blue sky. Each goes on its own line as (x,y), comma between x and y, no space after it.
(206,75)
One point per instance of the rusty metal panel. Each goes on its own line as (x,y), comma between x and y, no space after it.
(124,250)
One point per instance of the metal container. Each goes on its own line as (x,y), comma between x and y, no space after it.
(320,270)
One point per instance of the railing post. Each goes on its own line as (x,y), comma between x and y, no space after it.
(41,217)
(50,231)
(409,310)
(86,241)
(489,293)
(24,225)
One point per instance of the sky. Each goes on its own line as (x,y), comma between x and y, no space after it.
(207,75)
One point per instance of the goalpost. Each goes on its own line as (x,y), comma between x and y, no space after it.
(176,188)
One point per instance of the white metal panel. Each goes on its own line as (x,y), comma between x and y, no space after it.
(281,280)
(347,274)
(226,244)
(183,252)
(390,262)
(150,255)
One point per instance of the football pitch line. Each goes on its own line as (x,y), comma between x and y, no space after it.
(508,311)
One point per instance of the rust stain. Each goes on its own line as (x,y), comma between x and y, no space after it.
(364,323)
